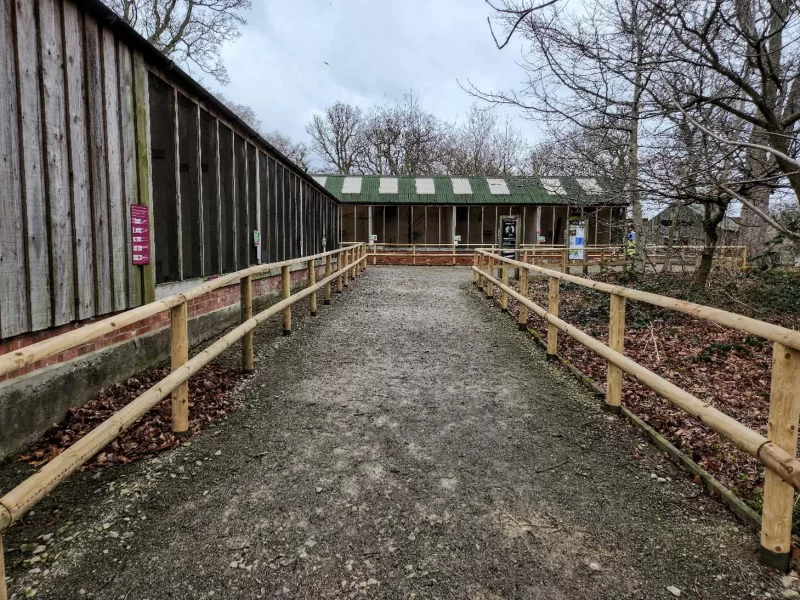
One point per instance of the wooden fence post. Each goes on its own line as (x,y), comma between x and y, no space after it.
(312,281)
(504,294)
(784,409)
(328,272)
(413,254)
(179,353)
(3,589)
(564,260)
(488,288)
(616,341)
(552,330)
(475,275)
(522,319)
(364,256)
(286,285)
(346,267)
(339,266)
(374,254)
(354,269)
(246,302)
(454,254)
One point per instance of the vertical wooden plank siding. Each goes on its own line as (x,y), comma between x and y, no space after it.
(14,318)
(252,201)
(164,152)
(56,165)
(209,171)
(263,202)
(243,228)
(144,167)
(31,156)
(130,187)
(119,255)
(228,212)
(190,191)
(97,169)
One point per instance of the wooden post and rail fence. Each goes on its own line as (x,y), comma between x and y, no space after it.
(27,494)
(557,256)
(777,451)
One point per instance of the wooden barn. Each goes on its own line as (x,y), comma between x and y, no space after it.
(466,210)
(121,176)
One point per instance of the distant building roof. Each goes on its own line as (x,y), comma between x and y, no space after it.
(694,214)
(446,190)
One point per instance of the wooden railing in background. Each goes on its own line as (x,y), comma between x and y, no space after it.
(777,452)
(351,261)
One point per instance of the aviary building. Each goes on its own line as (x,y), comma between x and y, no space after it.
(444,210)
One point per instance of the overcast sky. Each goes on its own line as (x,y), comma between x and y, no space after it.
(375,49)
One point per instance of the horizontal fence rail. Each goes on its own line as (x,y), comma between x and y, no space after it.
(777,452)
(13,505)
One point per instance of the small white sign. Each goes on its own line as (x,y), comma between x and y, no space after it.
(456,239)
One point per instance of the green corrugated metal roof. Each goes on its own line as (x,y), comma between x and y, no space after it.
(586,191)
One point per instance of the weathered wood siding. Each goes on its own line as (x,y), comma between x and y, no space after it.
(83,137)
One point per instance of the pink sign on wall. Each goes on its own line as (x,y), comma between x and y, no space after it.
(140,234)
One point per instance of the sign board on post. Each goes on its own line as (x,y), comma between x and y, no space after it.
(509,225)
(577,238)
(373,239)
(140,235)
(456,239)
(257,244)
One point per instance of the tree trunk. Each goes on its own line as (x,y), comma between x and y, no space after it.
(753,229)
(710,224)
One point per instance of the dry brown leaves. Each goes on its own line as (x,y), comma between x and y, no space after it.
(209,401)
(721,366)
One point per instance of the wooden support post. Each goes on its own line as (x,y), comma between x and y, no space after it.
(312,281)
(328,273)
(3,589)
(504,295)
(564,260)
(246,293)
(286,284)
(475,275)
(784,409)
(179,352)
(616,341)
(339,266)
(364,256)
(374,254)
(488,287)
(454,254)
(413,254)
(522,319)
(354,269)
(552,330)
(347,267)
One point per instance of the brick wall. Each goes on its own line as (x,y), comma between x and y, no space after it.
(420,260)
(208,303)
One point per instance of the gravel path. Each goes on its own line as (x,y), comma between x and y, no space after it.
(407,443)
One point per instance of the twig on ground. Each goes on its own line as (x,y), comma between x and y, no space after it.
(655,345)
(550,468)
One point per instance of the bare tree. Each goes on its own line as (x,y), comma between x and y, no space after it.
(337,137)
(753,48)
(484,146)
(296,151)
(190,32)
(246,113)
(400,138)
(585,71)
